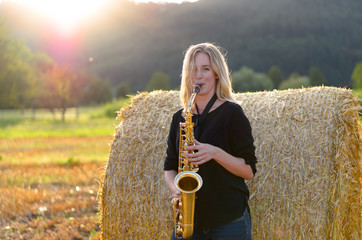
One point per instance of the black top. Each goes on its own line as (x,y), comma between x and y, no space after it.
(223,196)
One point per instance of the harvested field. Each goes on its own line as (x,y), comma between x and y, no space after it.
(48,187)
(54,149)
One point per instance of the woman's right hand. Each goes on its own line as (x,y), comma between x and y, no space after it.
(175,193)
(174,197)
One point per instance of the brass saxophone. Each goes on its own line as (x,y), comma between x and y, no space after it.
(187,181)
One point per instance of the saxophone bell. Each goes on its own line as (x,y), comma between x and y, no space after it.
(188,183)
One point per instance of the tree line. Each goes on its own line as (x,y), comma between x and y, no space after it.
(129,41)
(275,44)
(294,35)
(33,80)
(247,80)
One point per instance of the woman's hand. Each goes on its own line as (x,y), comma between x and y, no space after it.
(202,153)
(174,197)
(170,177)
(205,152)
(174,201)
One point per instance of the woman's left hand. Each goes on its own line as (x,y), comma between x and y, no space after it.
(202,153)
(205,152)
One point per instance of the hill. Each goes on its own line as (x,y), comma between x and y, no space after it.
(131,41)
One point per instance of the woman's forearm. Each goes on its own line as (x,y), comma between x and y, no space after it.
(235,165)
(169,177)
(205,152)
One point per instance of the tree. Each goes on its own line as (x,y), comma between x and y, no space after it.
(246,80)
(63,88)
(41,63)
(295,82)
(276,75)
(159,81)
(293,75)
(357,76)
(17,75)
(97,91)
(316,77)
(16,84)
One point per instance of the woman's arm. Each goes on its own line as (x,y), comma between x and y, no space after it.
(169,177)
(206,152)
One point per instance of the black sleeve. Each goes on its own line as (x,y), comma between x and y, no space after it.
(171,160)
(241,138)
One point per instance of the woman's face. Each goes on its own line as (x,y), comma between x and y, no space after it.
(203,75)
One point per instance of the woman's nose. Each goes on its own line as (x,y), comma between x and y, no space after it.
(198,74)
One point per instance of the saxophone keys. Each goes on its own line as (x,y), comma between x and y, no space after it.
(180,218)
(179,230)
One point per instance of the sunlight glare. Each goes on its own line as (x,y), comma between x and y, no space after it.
(67,15)
(164,1)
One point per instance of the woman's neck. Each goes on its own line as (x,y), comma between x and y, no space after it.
(201,101)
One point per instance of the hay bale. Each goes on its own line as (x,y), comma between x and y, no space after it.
(308,184)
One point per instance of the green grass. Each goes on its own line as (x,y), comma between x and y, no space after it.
(357,92)
(90,122)
(26,128)
(85,137)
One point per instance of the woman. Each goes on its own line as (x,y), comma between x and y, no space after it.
(224,148)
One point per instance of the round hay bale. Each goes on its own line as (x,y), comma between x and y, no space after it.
(308,184)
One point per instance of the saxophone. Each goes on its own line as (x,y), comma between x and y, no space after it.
(187,181)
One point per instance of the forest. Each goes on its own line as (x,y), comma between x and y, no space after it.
(128,42)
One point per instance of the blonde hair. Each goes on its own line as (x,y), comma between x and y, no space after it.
(218,65)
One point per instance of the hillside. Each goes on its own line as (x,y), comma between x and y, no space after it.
(129,42)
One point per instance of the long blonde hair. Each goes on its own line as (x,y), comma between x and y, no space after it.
(218,65)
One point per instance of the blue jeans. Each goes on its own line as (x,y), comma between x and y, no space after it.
(240,229)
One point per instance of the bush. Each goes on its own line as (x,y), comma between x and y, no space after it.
(123,89)
(111,109)
(295,82)
(246,80)
(159,81)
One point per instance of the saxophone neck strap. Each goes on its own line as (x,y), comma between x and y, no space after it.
(206,110)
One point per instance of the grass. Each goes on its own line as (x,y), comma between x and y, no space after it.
(49,172)
(54,149)
(90,122)
(357,92)
(11,129)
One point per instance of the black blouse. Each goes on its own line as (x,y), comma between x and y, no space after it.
(223,196)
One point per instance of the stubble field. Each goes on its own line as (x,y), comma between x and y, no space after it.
(51,200)
(49,177)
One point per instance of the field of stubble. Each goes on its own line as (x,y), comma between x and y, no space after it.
(49,176)
(51,200)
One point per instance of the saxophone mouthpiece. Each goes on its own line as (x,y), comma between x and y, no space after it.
(197,89)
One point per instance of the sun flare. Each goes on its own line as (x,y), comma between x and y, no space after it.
(163,1)
(67,15)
